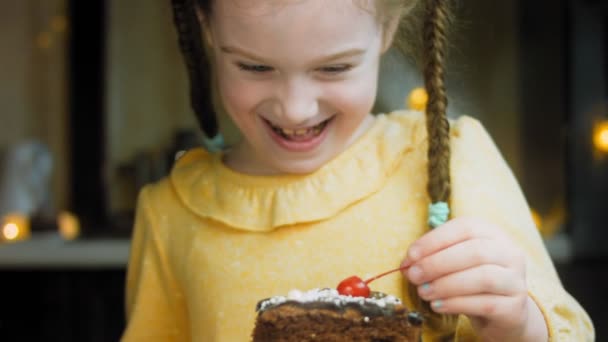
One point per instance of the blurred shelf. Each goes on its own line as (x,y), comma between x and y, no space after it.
(50,251)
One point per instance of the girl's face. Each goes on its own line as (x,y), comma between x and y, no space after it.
(298,78)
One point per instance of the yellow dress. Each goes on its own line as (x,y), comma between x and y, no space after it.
(209,243)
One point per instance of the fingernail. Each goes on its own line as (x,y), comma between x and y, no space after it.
(425,291)
(437,304)
(414,253)
(425,288)
(415,273)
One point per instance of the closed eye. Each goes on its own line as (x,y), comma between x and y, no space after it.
(336,69)
(255,68)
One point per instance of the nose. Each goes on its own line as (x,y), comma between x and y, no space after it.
(298,101)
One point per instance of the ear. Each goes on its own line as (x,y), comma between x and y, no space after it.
(205,25)
(389,29)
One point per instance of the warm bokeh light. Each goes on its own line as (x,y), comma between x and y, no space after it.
(44,40)
(417,99)
(600,136)
(10,231)
(15,227)
(69,226)
(538,221)
(59,24)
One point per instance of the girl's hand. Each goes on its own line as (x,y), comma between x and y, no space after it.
(468,266)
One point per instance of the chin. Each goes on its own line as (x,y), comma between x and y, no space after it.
(300,167)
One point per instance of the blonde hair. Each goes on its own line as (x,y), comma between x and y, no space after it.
(421,33)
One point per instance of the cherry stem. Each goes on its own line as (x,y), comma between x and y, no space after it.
(385,273)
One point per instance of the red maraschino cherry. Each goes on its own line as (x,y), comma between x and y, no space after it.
(356,287)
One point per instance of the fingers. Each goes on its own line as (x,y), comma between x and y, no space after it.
(471,267)
(453,232)
(490,307)
(462,256)
(484,279)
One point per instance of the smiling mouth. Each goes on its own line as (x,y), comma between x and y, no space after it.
(300,134)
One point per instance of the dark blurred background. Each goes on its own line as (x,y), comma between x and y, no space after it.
(94,105)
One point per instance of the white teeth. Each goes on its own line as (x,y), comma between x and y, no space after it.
(297,132)
(300,131)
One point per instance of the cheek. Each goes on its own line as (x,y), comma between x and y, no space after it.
(365,91)
(355,98)
(365,95)
(238,97)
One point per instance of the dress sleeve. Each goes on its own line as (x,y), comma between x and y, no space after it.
(483,186)
(154,307)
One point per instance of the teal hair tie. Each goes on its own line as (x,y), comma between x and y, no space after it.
(214,144)
(438,214)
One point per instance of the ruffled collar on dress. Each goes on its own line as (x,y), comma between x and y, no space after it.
(263,203)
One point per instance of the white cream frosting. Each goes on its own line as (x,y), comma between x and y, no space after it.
(327,296)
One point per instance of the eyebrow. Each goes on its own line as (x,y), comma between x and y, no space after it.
(331,57)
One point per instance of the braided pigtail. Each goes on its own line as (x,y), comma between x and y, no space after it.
(197,62)
(436,119)
(434,49)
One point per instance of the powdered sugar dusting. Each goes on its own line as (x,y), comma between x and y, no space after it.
(327,296)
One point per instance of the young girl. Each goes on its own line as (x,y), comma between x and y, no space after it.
(319,189)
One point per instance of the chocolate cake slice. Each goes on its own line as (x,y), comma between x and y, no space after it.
(325,315)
